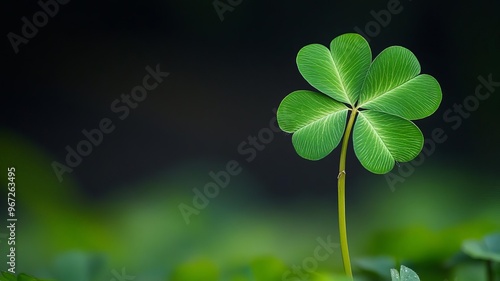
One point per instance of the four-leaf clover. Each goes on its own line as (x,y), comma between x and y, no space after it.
(382,96)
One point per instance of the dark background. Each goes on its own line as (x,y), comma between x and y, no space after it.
(226,77)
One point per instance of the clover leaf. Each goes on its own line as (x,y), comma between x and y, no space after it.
(385,94)
(404,274)
(487,249)
(380,97)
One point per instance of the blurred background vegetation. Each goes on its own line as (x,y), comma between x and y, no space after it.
(119,209)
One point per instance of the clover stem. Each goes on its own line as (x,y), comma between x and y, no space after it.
(491,274)
(341,196)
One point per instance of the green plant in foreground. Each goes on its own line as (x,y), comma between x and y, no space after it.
(487,249)
(404,274)
(382,96)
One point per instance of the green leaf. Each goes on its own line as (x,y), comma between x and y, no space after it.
(317,121)
(340,71)
(7,276)
(387,93)
(487,249)
(381,139)
(392,86)
(405,274)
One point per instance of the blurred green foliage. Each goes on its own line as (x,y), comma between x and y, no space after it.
(487,249)
(7,276)
(239,236)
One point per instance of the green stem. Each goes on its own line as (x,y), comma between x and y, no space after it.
(491,274)
(341,196)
